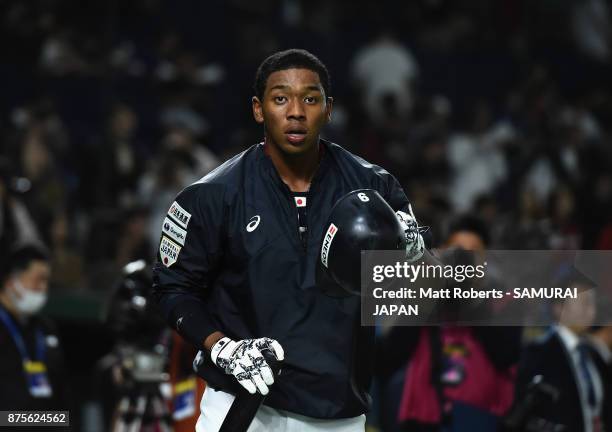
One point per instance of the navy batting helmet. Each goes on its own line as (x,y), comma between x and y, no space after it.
(361,220)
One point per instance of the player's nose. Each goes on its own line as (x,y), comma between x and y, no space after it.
(295,110)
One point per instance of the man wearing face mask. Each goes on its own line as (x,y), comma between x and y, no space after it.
(31,365)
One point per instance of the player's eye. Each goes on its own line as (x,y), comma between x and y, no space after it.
(280,99)
(310,99)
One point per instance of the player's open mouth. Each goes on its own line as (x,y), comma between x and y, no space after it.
(296,136)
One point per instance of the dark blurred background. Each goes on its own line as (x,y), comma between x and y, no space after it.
(501,109)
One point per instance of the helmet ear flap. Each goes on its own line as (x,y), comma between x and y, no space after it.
(361,220)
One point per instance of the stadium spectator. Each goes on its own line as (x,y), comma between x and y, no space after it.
(385,72)
(121,159)
(460,378)
(32,368)
(564,361)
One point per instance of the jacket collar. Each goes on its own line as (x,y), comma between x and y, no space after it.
(324,161)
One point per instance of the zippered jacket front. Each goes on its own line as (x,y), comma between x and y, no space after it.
(232,259)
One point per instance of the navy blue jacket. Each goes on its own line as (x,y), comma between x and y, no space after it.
(231,260)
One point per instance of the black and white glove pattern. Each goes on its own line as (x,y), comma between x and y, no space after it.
(244,360)
(415,246)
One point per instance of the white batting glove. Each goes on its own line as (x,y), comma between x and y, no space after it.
(415,246)
(244,360)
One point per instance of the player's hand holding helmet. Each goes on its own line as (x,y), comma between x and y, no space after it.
(244,360)
(415,245)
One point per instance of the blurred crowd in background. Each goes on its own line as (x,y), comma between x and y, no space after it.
(502,110)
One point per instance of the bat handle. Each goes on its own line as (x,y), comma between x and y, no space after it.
(245,405)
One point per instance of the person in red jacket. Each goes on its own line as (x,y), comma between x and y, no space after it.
(458,378)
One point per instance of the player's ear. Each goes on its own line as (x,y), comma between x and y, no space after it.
(328,108)
(257,110)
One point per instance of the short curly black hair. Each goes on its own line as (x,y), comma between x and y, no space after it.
(290,59)
(20,258)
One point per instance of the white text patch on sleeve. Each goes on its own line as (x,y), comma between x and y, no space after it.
(174,231)
(179,214)
(168,251)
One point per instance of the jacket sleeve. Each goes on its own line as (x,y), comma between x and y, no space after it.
(189,251)
(391,190)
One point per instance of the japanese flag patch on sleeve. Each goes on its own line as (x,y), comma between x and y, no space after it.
(168,251)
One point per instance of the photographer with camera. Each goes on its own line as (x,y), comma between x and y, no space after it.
(153,384)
